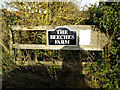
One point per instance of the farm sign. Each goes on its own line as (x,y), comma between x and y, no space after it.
(62,36)
(68,37)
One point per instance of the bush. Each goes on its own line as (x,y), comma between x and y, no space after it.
(107,68)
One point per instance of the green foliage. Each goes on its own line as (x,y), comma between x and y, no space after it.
(107,69)
(107,18)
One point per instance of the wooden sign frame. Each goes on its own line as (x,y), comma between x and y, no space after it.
(98,39)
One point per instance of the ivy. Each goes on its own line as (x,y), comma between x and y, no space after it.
(107,71)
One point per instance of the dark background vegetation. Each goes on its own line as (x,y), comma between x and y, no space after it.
(104,70)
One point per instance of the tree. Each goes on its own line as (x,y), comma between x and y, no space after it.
(47,13)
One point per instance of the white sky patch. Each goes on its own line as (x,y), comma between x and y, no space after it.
(1,3)
(86,2)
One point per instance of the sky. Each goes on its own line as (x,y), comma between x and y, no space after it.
(88,2)
(84,2)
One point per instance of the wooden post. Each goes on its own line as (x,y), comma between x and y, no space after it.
(36,57)
(19,50)
(0,49)
(11,44)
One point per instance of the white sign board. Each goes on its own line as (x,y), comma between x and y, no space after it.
(84,37)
